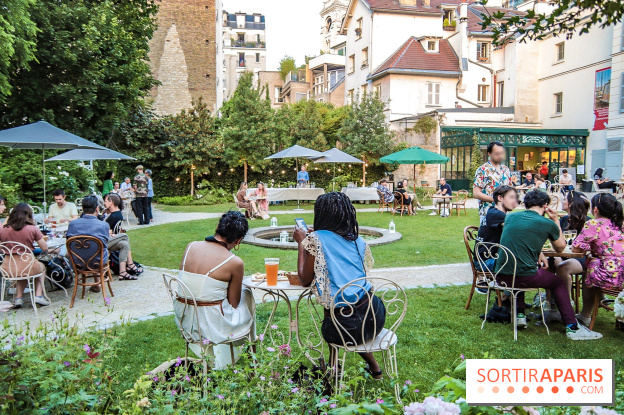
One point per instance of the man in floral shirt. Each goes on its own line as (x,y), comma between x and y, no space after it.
(385,192)
(489,176)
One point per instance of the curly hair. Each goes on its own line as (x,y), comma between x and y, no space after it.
(232,226)
(536,198)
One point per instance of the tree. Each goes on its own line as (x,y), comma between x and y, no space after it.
(364,132)
(17,45)
(91,66)
(194,141)
(286,65)
(301,123)
(567,17)
(476,158)
(248,125)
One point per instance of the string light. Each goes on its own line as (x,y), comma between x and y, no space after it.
(283,172)
(270,171)
(177,179)
(327,170)
(231,169)
(219,174)
(252,167)
(339,169)
(349,166)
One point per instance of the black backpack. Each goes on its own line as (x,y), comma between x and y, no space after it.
(60,272)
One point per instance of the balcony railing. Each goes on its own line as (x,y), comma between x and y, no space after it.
(298,75)
(244,44)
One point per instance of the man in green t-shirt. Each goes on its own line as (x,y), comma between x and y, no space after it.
(524,234)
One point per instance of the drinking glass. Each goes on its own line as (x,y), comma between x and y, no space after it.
(271,266)
(572,237)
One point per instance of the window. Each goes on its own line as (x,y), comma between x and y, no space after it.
(362,90)
(378,90)
(241,37)
(319,84)
(482,93)
(483,51)
(432,46)
(258,38)
(433,93)
(560,51)
(278,95)
(500,89)
(622,93)
(358,29)
(328,23)
(241,59)
(257,58)
(558,103)
(351,63)
(364,57)
(350,97)
(301,96)
(257,18)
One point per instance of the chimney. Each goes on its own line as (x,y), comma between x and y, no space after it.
(410,3)
(463,31)
(426,3)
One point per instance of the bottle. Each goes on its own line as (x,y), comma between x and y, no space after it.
(392,227)
(273,222)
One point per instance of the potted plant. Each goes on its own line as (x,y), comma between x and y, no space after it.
(358,32)
(448,25)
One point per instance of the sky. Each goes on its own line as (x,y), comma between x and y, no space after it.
(292,26)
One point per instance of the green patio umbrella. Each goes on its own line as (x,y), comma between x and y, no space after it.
(414,155)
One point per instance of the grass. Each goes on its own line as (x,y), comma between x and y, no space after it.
(227,206)
(427,240)
(435,332)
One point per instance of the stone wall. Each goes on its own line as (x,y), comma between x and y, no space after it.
(429,173)
(183,55)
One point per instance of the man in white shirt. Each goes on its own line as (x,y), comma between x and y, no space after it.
(62,211)
(126,185)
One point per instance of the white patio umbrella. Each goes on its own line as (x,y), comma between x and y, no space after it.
(335,156)
(42,136)
(295,152)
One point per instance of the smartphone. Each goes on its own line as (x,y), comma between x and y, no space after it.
(301,223)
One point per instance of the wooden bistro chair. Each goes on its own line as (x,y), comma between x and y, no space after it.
(20,264)
(479,278)
(395,301)
(598,304)
(185,307)
(462,196)
(399,204)
(554,202)
(383,205)
(85,253)
(502,253)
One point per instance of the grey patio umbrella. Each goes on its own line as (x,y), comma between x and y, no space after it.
(42,136)
(87,154)
(336,156)
(295,152)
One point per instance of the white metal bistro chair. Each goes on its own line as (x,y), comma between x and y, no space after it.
(599,190)
(19,264)
(188,319)
(501,253)
(395,302)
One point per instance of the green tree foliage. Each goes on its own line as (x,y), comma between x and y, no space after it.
(17,33)
(194,141)
(90,69)
(286,65)
(302,124)
(476,158)
(364,132)
(248,125)
(567,17)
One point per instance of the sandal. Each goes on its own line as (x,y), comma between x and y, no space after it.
(134,269)
(95,289)
(374,375)
(124,276)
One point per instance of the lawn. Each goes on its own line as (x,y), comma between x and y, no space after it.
(427,240)
(435,332)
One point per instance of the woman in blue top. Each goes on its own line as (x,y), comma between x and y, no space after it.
(150,193)
(331,257)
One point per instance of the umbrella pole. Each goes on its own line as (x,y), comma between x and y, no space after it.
(334,179)
(44,181)
(297,183)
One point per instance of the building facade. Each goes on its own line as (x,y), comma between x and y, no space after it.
(183,55)
(332,18)
(244,48)
(556,100)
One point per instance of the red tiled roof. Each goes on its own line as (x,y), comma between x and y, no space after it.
(476,12)
(412,56)
(394,5)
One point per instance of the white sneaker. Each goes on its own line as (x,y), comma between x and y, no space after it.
(433,214)
(583,320)
(583,333)
(12,291)
(42,301)
(521,321)
(18,303)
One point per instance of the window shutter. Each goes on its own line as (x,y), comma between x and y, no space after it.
(437,94)
(429,93)
(622,93)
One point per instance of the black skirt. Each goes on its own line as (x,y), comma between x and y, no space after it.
(352,325)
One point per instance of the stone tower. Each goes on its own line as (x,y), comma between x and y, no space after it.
(183,55)
(332,17)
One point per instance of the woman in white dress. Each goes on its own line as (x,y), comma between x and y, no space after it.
(214,276)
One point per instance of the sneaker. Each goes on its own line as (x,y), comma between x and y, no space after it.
(18,303)
(42,301)
(583,320)
(583,333)
(13,290)
(521,321)
(433,214)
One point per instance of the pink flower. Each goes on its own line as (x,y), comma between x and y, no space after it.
(173,392)
(178,361)
(270,349)
(186,378)
(284,350)
(408,382)
(463,357)
(294,390)
(323,400)
(380,401)
(261,337)
(274,326)
(107,301)
(67,364)
(86,348)
(332,406)
(206,342)
(220,396)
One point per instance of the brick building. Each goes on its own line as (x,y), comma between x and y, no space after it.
(184,55)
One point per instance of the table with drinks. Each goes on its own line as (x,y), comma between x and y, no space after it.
(279,287)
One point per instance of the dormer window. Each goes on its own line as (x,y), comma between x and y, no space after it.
(432,46)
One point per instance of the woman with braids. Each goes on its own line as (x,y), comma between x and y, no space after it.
(576,204)
(332,256)
(214,275)
(603,238)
